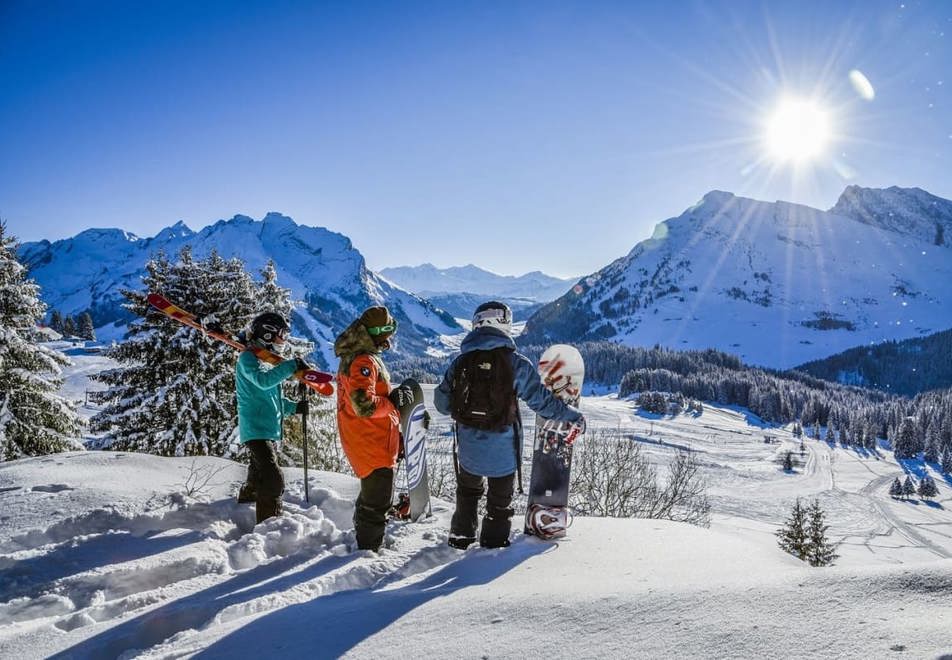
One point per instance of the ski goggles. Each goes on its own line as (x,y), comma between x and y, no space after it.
(377,330)
(277,333)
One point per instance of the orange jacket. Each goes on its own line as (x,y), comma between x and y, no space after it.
(369,423)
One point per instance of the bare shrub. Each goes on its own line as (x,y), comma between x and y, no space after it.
(198,478)
(612,477)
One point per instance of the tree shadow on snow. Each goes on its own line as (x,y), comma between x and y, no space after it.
(333,625)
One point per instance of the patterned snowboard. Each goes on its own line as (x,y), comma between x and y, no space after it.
(562,371)
(414,450)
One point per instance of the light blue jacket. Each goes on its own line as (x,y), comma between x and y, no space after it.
(493,453)
(261,408)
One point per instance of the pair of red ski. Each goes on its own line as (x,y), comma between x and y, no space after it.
(318,381)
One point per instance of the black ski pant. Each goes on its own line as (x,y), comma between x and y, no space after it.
(265,478)
(498,519)
(370,511)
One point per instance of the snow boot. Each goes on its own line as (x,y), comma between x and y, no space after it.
(460,542)
(246,494)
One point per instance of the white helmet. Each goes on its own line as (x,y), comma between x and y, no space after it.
(493,314)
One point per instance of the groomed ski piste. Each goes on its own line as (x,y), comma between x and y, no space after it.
(105,554)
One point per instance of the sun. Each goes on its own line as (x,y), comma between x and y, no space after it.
(798,130)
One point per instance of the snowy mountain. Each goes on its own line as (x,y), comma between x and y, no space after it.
(428,280)
(322,268)
(778,284)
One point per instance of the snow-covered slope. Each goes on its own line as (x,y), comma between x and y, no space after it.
(321,267)
(428,280)
(104,554)
(778,284)
(908,211)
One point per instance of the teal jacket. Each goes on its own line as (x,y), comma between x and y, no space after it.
(261,408)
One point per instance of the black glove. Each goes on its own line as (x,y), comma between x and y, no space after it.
(302,365)
(401,395)
(581,424)
(426,420)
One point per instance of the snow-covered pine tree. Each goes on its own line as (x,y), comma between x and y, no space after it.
(845,435)
(932,450)
(821,551)
(927,488)
(905,444)
(793,537)
(895,490)
(908,487)
(86,329)
(816,431)
(56,321)
(947,462)
(69,326)
(34,419)
(174,391)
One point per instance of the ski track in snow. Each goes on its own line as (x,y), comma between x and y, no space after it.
(212,553)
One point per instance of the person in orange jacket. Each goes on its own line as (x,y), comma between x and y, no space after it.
(368,421)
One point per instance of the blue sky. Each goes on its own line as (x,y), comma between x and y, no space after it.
(514,135)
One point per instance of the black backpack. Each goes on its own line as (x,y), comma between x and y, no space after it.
(483,392)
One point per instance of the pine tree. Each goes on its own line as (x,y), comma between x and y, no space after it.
(908,487)
(793,537)
(932,448)
(69,326)
(947,462)
(816,431)
(845,435)
(86,328)
(905,444)
(788,462)
(896,489)
(797,430)
(34,419)
(821,552)
(174,391)
(56,321)
(927,488)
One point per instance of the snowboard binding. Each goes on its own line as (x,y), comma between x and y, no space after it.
(548,522)
(401,508)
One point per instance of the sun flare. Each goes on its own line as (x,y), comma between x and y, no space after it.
(797,130)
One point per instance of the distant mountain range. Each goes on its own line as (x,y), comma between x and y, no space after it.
(778,284)
(901,367)
(322,268)
(459,289)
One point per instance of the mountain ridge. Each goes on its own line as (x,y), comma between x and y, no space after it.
(777,283)
(321,267)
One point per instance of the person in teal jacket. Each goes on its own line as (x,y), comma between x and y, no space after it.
(261,409)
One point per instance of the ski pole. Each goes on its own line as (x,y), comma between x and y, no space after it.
(302,389)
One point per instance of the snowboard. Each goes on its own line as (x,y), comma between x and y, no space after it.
(316,380)
(412,412)
(562,371)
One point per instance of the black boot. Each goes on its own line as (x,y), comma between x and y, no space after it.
(246,494)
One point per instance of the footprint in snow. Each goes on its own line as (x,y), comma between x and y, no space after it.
(51,488)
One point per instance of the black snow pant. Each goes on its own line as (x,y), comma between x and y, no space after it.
(265,478)
(371,508)
(498,519)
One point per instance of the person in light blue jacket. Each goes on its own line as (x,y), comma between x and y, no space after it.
(489,429)
(261,410)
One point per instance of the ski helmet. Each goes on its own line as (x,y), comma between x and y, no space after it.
(493,314)
(380,325)
(269,328)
